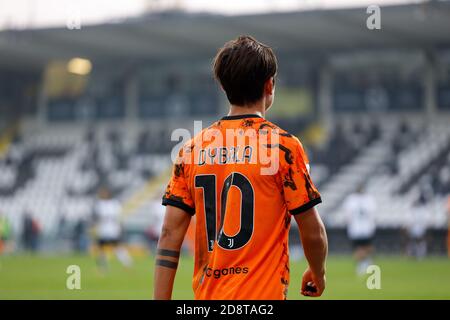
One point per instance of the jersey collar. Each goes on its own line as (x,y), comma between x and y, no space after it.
(241,116)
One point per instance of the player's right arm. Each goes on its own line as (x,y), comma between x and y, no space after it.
(176,223)
(315,246)
(179,210)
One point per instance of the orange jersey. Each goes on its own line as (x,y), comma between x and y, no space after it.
(243,205)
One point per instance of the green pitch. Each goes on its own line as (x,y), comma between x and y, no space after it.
(40,277)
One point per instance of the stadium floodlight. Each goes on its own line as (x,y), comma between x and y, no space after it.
(79,66)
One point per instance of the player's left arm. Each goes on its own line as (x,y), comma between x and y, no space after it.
(176,223)
(301,197)
(315,246)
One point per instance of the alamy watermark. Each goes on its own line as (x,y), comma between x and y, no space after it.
(373,21)
(73,281)
(73,18)
(374,279)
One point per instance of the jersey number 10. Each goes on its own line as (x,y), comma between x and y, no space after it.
(209,185)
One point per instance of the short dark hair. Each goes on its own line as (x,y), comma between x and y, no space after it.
(242,66)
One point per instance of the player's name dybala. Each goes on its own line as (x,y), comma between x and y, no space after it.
(225,155)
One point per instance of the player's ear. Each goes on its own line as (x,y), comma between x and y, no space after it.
(269,86)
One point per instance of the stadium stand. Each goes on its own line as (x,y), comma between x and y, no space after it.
(55,172)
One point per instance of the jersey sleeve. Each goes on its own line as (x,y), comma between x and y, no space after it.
(299,191)
(177,192)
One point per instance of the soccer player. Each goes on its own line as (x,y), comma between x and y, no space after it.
(360,215)
(243,212)
(108,225)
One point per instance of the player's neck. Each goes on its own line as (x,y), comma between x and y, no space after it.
(257,108)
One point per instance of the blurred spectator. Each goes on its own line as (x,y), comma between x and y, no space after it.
(360,215)
(374,133)
(153,232)
(402,138)
(30,233)
(448,226)
(392,163)
(61,231)
(425,190)
(35,234)
(80,236)
(416,229)
(5,233)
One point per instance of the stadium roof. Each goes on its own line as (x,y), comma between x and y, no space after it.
(177,35)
